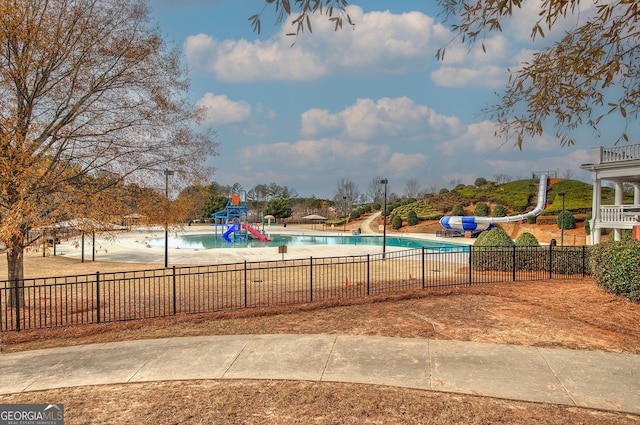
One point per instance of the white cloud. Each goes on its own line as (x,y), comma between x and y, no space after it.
(367,119)
(221,110)
(381,43)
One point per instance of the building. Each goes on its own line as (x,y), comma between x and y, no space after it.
(620,165)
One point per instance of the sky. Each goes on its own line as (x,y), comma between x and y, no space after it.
(359,104)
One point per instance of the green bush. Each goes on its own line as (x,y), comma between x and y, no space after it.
(443,190)
(587,225)
(481,210)
(480,182)
(376,206)
(530,259)
(615,267)
(412,218)
(457,210)
(493,250)
(498,211)
(568,219)
(527,239)
(396,222)
(531,219)
(355,214)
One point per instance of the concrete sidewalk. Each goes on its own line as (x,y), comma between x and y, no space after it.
(591,379)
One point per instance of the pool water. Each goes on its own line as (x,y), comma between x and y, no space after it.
(211,241)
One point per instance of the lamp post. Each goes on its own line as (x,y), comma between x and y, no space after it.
(384,218)
(344,212)
(167,173)
(562,220)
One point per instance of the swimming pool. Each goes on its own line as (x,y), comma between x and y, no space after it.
(211,241)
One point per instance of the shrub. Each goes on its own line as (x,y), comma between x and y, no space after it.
(396,222)
(376,206)
(587,224)
(614,266)
(527,239)
(457,210)
(493,250)
(568,219)
(481,210)
(443,190)
(412,218)
(531,219)
(528,258)
(498,211)
(355,214)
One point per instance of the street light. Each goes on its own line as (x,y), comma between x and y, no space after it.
(562,220)
(167,173)
(384,217)
(344,212)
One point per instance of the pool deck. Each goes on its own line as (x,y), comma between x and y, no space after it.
(131,247)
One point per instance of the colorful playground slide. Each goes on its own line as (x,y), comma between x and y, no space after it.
(233,228)
(478,224)
(255,233)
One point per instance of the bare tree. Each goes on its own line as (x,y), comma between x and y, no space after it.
(90,97)
(413,188)
(347,194)
(500,178)
(376,189)
(567,174)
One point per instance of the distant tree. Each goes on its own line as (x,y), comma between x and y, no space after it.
(375,191)
(413,188)
(279,208)
(567,174)
(500,178)
(347,193)
(480,182)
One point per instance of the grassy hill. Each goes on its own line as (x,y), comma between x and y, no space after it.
(522,195)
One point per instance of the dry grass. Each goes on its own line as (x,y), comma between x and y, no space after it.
(572,314)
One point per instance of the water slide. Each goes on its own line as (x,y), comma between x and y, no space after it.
(478,224)
(255,233)
(233,228)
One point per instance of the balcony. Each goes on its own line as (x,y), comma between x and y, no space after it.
(618,217)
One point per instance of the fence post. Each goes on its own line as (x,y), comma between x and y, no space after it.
(550,261)
(19,297)
(470,265)
(245,283)
(514,263)
(368,274)
(311,279)
(423,266)
(175,307)
(97,296)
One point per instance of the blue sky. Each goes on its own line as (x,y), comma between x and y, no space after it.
(358,103)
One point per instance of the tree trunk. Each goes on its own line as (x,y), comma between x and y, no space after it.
(15,263)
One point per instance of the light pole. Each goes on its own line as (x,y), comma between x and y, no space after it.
(384,218)
(344,212)
(562,220)
(167,173)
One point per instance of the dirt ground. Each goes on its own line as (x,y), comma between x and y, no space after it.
(574,314)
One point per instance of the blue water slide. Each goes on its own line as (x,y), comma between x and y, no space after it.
(233,228)
(478,224)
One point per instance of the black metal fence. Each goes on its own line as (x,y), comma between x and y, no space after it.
(111,297)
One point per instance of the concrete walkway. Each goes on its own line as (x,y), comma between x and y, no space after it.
(591,379)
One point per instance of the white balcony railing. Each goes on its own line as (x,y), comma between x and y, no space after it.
(602,155)
(619,214)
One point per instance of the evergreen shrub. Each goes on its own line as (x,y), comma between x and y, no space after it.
(616,267)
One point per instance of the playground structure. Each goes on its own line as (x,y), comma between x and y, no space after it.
(234,219)
(479,224)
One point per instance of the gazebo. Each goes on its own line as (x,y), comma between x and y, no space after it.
(315,218)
